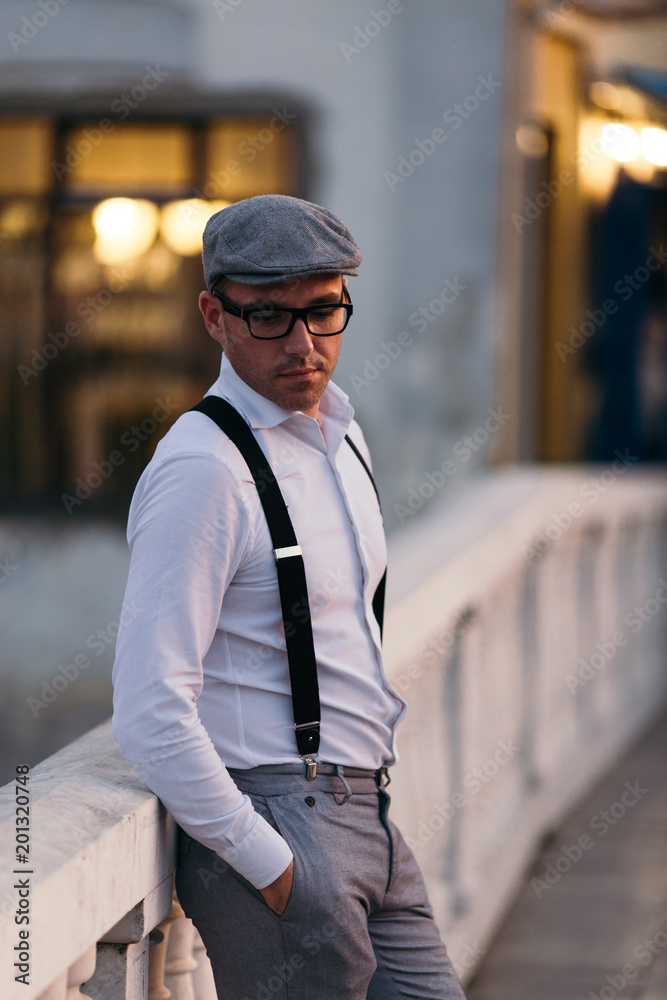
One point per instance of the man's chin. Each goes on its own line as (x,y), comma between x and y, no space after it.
(296,400)
(299,396)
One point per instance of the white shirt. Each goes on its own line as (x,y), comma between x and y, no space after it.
(201,679)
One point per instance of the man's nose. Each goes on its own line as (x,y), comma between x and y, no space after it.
(299,341)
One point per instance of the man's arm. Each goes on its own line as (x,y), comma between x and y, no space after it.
(189,528)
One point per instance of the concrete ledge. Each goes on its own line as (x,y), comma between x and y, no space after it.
(492,605)
(100,843)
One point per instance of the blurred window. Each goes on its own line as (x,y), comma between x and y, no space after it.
(25,147)
(101,341)
(130,158)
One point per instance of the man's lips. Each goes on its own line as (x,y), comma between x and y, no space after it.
(299,373)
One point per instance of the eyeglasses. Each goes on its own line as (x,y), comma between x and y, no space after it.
(271,322)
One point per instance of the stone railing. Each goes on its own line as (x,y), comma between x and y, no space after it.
(526,627)
(97,886)
(528,636)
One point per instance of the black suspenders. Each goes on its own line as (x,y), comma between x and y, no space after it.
(291,577)
(378,596)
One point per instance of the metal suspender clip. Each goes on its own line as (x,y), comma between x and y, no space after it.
(308,741)
(287,552)
(311,768)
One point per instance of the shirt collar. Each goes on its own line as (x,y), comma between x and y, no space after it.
(335,408)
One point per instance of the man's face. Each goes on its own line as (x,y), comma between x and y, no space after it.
(293,371)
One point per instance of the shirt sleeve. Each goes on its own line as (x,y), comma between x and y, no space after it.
(189,526)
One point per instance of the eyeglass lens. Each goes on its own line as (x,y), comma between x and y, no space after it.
(275,322)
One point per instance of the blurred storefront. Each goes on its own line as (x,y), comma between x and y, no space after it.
(589,207)
(168,105)
(101,223)
(542,203)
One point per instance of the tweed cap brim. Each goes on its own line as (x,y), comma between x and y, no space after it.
(275,237)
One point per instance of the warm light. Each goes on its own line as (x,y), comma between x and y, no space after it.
(182,224)
(641,170)
(125,228)
(654,146)
(18,218)
(605,95)
(620,142)
(624,100)
(597,171)
(532,140)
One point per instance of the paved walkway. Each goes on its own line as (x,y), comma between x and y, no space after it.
(591,921)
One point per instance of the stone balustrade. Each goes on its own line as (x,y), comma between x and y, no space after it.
(100,878)
(527,632)
(526,628)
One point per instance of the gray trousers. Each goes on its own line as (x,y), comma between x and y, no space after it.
(358,924)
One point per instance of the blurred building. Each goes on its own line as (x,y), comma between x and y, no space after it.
(584,353)
(502,165)
(474,152)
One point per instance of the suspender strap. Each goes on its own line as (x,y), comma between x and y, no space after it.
(291,577)
(378,596)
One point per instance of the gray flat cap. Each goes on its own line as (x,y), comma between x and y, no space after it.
(274,237)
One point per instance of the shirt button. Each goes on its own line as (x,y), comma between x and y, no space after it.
(304,420)
(310,801)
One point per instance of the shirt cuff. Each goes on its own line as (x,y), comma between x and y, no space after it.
(261,856)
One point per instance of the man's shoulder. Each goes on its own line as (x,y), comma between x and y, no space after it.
(195,437)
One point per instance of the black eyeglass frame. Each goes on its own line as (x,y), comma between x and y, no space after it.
(296,314)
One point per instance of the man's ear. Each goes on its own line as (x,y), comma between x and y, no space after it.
(211,310)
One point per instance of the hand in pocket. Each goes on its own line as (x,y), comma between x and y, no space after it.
(278,893)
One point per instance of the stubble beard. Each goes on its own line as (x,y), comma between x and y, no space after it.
(269,386)
(295,399)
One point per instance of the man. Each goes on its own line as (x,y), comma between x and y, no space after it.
(298,882)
